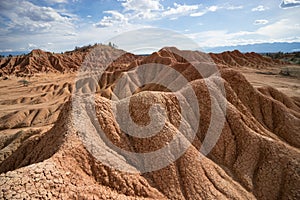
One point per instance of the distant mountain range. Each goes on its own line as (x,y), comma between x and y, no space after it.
(258,48)
(13,53)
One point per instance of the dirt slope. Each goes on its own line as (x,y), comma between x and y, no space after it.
(39,61)
(256,156)
(235,59)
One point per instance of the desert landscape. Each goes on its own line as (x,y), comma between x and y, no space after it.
(44,155)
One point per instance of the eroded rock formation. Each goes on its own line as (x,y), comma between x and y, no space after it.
(256,155)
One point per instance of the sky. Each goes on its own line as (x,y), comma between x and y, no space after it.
(60,25)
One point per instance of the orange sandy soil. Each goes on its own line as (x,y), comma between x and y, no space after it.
(286,84)
(256,156)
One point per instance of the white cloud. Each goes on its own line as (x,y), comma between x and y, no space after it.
(289,3)
(205,11)
(217,38)
(213,8)
(116,18)
(179,9)
(141,5)
(6,50)
(261,22)
(29,26)
(24,23)
(141,9)
(198,14)
(153,39)
(31,46)
(43,14)
(70,34)
(259,8)
(25,16)
(234,7)
(284,28)
(56,1)
(136,10)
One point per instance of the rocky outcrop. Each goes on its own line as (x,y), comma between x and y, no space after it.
(237,59)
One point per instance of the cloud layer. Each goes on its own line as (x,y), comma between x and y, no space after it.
(290,3)
(59,25)
(134,10)
(24,16)
(259,8)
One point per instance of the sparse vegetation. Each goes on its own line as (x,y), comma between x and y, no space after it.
(293,58)
(290,71)
(86,48)
(112,45)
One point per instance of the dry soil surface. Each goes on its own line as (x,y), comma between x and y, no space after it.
(43,156)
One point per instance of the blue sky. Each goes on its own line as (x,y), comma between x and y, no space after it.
(59,25)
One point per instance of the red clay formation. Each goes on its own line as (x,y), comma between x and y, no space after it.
(42,155)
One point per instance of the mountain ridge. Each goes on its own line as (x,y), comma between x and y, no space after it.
(39,61)
(259,47)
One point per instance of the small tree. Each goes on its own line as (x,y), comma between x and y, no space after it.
(115,46)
